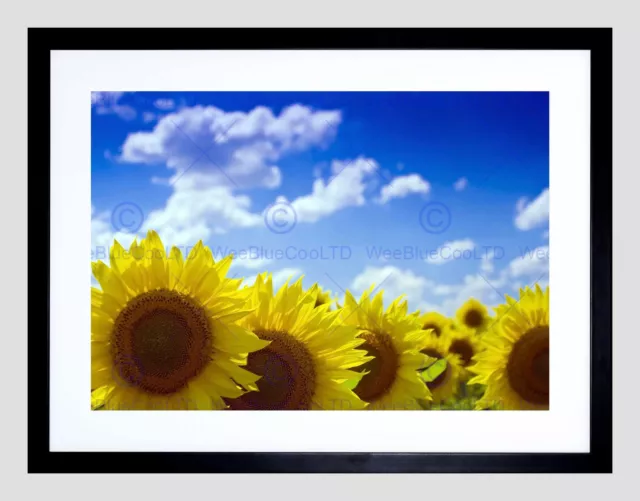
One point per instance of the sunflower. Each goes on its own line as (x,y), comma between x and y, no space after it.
(322,297)
(474,315)
(391,379)
(308,361)
(446,384)
(436,322)
(464,343)
(515,364)
(164,332)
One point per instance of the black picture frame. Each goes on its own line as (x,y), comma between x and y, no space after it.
(41,41)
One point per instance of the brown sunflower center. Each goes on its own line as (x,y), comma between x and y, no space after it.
(463,348)
(444,376)
(434,327)
(161,340)
(288,373)
(528,366)
(382,369)
(473,318)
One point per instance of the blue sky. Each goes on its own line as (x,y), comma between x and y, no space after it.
(440,196)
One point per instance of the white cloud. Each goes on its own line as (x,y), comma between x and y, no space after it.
(278,277)
(281,276)
(426,306)
(249,263)
(534,214)
(192,214)
(196,211)
(345,189)
(105,98)
(488,287)
(530,268)
(241,151)
(461,184)
(444,290)
(452,251)
(526,270)
(521,204)
(209,146)
(393,281)
(531,264)
(103,234)
(486,264)
(164,104)
(417,289)
(108,103)
(148,116)
(488,290)
(403,186)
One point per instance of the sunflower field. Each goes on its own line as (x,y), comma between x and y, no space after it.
(174,332)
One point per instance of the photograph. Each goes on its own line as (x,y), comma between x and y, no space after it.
(361,250)
(330,219)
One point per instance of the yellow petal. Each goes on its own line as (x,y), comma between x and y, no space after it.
(110,282)
(232,339)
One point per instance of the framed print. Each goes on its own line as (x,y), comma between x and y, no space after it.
(321,250)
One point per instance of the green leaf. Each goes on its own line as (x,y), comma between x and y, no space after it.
(434,370)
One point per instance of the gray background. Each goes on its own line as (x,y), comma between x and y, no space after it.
(15,17)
